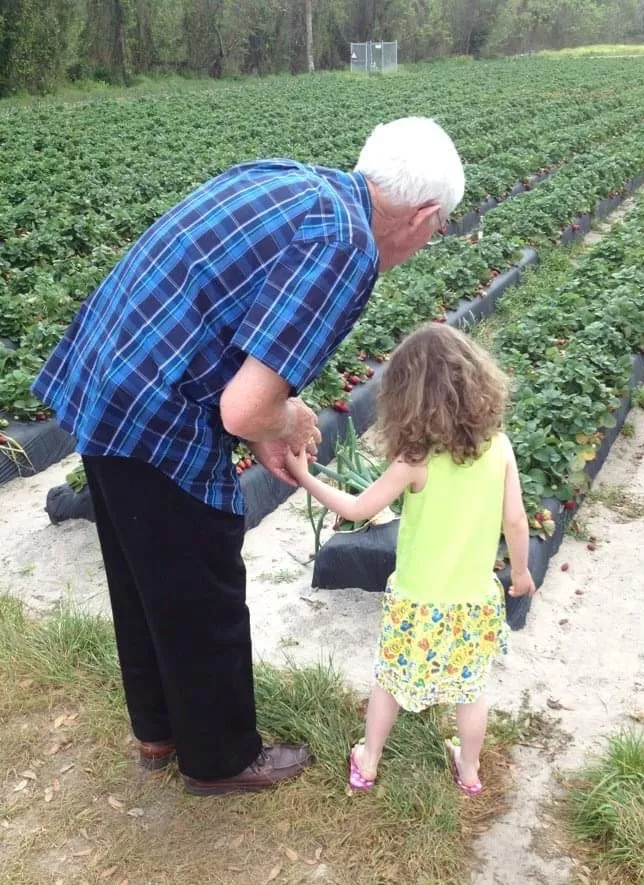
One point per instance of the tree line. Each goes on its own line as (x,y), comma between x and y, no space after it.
(45,42)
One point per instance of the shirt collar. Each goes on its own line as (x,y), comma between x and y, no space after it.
(362,189)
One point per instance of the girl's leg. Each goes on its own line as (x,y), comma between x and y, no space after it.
(381,715)
(471,720)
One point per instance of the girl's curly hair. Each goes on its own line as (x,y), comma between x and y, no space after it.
(441,392)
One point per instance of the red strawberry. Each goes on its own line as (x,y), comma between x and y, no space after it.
(564,567)
(353,379)
(239,469)
(570,505)
(380,358)
(370,372)
(340,405)
(362,355)
(591,546)
(348,388)
(538,517)
(248,462)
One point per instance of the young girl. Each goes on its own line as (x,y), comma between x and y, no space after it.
(441,408)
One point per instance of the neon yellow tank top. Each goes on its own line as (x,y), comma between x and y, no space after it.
(449,532)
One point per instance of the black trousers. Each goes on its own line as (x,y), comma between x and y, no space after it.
(177,585)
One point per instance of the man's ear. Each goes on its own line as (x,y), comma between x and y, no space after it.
(422,215)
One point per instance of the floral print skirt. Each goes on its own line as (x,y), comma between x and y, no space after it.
(439,654)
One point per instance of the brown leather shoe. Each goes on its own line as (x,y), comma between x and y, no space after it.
(155,755)
(274,765)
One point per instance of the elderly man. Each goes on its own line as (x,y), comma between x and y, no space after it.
(203,334)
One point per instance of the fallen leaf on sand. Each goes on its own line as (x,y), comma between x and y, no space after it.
(28,774)
(49,794)
(115,803)
(293,856)
(106,874)
(20,785)
(274,873)
(555,704)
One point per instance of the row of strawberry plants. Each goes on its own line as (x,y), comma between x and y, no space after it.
(544,146)
(569,354)
(538,216)
(83,208)
(94,219)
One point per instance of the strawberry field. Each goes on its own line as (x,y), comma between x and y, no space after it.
(545,141)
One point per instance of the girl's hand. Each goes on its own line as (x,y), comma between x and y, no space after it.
(297,464)
(522,584)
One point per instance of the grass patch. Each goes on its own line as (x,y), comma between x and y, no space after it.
(617,498)
(578,529)
(638,396)
(75,806)
(280,576)
(552,271)
(600,49)
(605,811)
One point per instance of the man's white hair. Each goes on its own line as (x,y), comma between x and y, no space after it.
(413,161)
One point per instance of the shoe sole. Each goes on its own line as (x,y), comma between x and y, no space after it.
(225,789)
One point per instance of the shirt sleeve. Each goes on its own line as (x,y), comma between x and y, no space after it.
(308,303)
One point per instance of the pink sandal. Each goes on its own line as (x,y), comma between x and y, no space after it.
(468,789)
(358,783)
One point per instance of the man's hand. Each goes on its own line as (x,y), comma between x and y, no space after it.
(302,431)
(272,456)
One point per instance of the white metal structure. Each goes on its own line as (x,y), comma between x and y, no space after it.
(374,57)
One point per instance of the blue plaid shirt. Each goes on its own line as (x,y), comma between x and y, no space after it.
(271,259)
